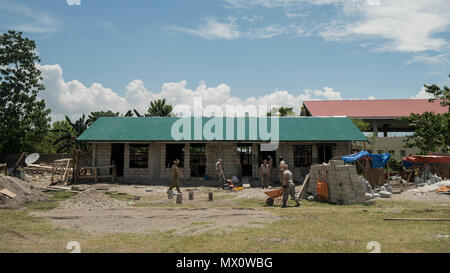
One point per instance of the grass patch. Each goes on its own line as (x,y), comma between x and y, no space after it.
(314,227)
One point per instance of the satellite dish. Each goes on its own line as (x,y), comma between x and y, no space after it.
(32,158)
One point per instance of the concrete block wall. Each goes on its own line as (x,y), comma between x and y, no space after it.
(344,185)
(102,156)
(135,175)
(158,173)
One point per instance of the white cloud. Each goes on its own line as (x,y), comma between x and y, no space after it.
(30,20)
(441,59)
(391,25)
(73,2)
(328,93)
(74,98)
(212,29)
(409,26)
(422,94)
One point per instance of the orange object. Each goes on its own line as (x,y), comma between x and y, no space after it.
(444,189)
(274,193)
(322,189)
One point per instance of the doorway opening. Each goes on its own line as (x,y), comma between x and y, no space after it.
(117,157)
(265,155)
(198,159)
(174,151)
(244,151)
(325,153)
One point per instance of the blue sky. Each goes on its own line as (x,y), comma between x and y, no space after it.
(121,54)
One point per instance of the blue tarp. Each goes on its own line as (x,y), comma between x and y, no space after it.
(407,164)
(378,160)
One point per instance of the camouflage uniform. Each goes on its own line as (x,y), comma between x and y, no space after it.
(175,174)
(220,175)
(288,188)
(265,171)
(281,171)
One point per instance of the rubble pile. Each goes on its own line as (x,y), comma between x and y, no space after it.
(21,193)
(345,186)
(92,199)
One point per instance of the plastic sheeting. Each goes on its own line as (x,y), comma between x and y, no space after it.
(378,160)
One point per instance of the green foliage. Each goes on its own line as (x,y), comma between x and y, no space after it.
(68,135)
(95,115)
(284,111)
(432,131)
(159,108)
(361,124)
(439,94)
(24,119)
(395,165)
(46,145)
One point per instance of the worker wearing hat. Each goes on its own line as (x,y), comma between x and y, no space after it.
(288,187)
(219,171)
(175,174)
(264,173)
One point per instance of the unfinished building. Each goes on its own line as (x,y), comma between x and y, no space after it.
(142,149)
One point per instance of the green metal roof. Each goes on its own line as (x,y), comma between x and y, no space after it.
(133,129)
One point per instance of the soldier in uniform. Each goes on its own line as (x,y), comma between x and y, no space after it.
(175,174)
(219,171)
(288,187)
(280,168)
(264,173)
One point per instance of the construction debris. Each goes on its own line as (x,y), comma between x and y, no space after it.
(8,193)
(431,187)
(90,200)
(16,193)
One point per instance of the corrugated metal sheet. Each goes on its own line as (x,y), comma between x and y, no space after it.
(131,129)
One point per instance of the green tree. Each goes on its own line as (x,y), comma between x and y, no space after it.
(431,131)
(284,111)
(68,139)
(46,146)
(442,94)
(24,119)
(159,108)
(93,116)
(361,124)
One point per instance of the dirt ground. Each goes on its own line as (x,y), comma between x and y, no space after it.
(147,209)
(151,214)
(146,220)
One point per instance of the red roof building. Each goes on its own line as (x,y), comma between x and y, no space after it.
(371,108)
(382,115)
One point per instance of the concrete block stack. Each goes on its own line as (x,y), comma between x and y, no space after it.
(345,186)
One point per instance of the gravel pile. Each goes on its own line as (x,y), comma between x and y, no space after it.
(25,193)
(92,199)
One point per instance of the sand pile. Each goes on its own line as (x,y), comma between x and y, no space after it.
(91,199)
(25,193)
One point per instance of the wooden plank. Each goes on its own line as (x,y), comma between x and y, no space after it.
(8,193)
(304,186)
(417,219)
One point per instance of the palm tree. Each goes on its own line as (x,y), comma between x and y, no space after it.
(69,136)
(93,116)
(158,108)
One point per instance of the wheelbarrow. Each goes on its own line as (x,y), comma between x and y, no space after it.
(274,196)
